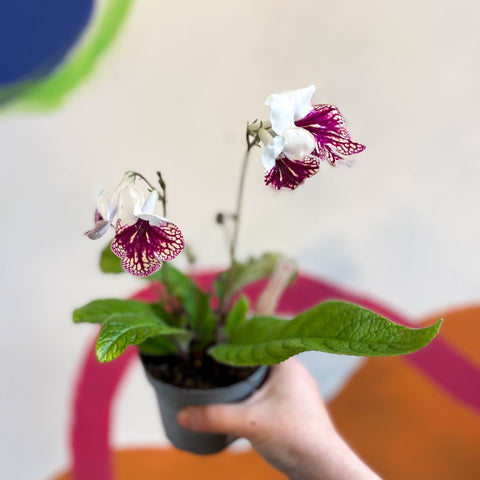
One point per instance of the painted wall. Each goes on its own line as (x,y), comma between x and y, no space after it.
(171,88)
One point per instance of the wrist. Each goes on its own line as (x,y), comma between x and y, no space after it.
(333,460)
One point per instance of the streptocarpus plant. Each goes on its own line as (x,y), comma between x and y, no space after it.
(192,324)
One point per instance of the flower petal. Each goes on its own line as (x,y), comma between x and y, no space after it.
(150,203)
(142,247)
(298,143)
(130,201)
(289,106)
(290,174)
(327,125)
(271,151)
(100,227)
(103,208)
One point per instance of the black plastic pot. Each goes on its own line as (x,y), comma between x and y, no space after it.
(171,399)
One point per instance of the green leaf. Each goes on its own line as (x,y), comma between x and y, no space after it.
(179,286)
(242,274)
(123,329)
(204,322)
(100,310)
(109,262)
(194,301)
(334,327)
(159,345)
(237,316)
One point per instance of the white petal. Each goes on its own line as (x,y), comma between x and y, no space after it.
(112,203)
(302,101)
(298,143)
(112,206)
(150,203)
(130,201)
(287,107)
(152,219)
(272,151)
(127,179)
(281,112)
(102,206)
(146,212)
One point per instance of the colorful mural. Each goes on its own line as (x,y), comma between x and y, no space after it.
(48,48)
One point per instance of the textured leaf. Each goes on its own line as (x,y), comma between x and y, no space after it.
(237,315)
(99,310)
(205,321)
(334,327)
(124,329)
(194,301)
(179,286)
(158,346)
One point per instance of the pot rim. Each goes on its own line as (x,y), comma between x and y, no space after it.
(261,371)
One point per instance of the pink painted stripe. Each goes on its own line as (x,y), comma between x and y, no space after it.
(90,432)
(95,390)
(98,383)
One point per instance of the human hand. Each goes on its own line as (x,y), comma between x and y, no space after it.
(287,422)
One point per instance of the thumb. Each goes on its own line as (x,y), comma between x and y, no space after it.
(220,418)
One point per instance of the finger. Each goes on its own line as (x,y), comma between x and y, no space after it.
(288,371)
(220,418)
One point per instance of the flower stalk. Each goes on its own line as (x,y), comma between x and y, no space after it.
(241,187)
(252,139)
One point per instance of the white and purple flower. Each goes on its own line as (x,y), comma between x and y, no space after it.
(107,209)
(305,135)
(143,239)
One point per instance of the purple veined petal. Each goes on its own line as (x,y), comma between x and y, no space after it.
(332,152)
(100,227)
(169,237)
(142,247)
(325,117)
(289,173)
(327,125)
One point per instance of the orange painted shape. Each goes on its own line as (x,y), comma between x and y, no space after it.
(404,425)
(461,329)
(173,464)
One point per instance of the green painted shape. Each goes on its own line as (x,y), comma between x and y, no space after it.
(50,93)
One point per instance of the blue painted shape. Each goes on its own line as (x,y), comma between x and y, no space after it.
(35,35)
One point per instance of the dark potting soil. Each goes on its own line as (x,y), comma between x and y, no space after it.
(200,371)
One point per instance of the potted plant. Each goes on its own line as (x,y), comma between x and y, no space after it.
(207,346)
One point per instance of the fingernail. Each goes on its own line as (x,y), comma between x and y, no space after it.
(183,419)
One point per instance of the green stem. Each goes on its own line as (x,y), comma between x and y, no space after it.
(238,209)
(139,175)
(163,196)
(183,354)
(236,218)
